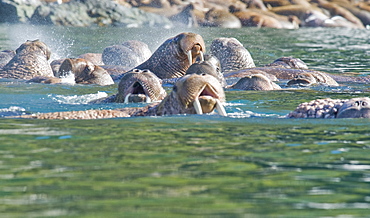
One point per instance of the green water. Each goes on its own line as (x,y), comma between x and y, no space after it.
(253,163)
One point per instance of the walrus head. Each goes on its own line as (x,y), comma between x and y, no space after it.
(194,94)
(140,86)
(34,46)
(209,66)
(255,82)
(232,54)
(175,55)
(303,79)
(355,108)
(84,72)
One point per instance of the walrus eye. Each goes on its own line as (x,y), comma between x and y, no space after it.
(364,103)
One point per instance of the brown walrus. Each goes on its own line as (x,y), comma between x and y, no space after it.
(192,94)
(175,55)
(333,108)
(137,86)
(84,72)
(31,60)
(231,54)
(221,18)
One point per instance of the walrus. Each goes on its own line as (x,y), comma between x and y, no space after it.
(221,18)
(129,54)
(333,108)
(255,82)
(5,57)
(192,94)
(211,65)
(31,60)
(137,86)
(84,72)
(175,55)
(95,58)
(231,54)
(336,10)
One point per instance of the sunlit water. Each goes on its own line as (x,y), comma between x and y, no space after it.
(253,163)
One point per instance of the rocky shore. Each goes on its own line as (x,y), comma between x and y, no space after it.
(288,14)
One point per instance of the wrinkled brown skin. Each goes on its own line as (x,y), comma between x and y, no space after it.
(129,54)
(256,82)
(231,54)
(179,101)
(333,108)
(31,60)
(85,72)
(140,83)
(170,59)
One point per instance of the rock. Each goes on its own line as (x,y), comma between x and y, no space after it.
(78,13)
(15,11)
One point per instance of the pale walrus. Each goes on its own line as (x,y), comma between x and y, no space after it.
(192,94)
(31,60)
(255,82)
(231,54)
(333,108)
(175,55)
(5,57)
(129,54)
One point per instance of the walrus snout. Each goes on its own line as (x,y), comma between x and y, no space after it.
(355,108)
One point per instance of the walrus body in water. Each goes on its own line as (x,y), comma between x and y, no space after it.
(192,94)
(333,108)
(30,60)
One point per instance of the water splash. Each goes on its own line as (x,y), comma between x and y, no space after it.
(77,99)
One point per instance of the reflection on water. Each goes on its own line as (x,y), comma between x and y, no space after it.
(254,163)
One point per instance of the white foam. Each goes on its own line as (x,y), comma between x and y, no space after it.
(77,99)
(12,109)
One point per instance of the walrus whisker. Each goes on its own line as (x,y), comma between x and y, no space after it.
(220,108)
(190,58)
(126,98)
(197,106)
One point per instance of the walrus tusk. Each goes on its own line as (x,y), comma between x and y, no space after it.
(197,106)
(220,108)
(201,56)
(126,98)
(190,58)
(147,99)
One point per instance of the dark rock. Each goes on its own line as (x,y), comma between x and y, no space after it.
(15,11)
(78,13)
